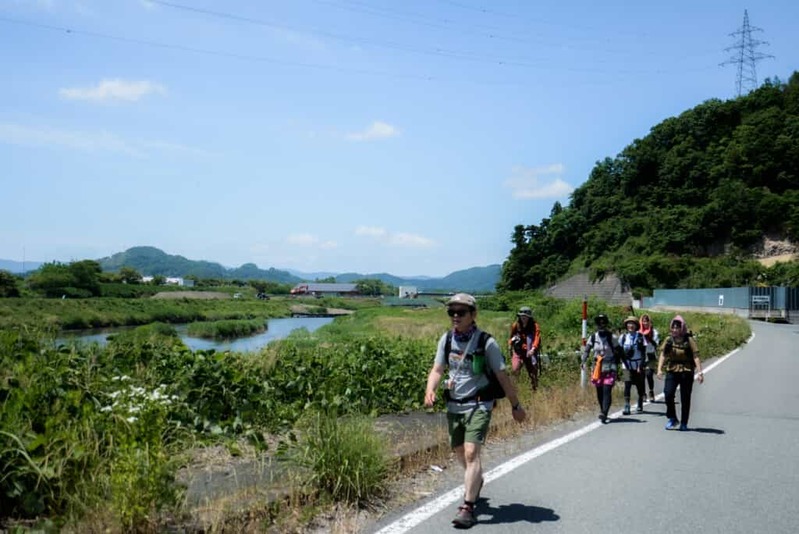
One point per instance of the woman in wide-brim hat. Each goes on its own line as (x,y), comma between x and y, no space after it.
(634,361)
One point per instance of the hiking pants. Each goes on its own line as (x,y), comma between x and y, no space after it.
(637,378)
(529,366)
(684,379)
(650,379)
(603,396)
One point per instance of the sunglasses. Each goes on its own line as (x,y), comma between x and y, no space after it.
(458,312)
(676,324)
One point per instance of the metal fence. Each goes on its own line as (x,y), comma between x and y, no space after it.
(770,303)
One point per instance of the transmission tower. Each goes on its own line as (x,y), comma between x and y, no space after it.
(745,57)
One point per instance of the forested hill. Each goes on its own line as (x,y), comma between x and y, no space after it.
(686,206)
(152,261)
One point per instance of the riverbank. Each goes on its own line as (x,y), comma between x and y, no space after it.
(54,315)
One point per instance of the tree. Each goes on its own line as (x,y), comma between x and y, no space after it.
(373,287)
(8,285)
(129,275)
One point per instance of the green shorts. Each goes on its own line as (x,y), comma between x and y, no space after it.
(471,427)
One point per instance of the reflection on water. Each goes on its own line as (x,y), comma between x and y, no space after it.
(276,329)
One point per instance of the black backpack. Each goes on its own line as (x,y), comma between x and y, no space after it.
(494,389)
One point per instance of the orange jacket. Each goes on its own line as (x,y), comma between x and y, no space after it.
(516,328)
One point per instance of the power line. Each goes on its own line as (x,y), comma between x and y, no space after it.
(745,57)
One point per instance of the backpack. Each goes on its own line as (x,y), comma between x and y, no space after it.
(494,389)
(686,348)
(606,337)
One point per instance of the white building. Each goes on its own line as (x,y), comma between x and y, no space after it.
(408,292)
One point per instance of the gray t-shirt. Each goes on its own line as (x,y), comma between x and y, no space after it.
(463,383)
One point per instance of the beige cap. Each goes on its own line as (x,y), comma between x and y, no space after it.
(462,298)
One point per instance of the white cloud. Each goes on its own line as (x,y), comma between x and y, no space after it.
(309,240)
(378,130)
(372,231)
(396,239)
(410,240)
(113,90)
(538,182)
(16,134)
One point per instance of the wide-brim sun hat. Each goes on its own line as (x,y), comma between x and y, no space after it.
(463,298)
(632,319)
(525,311)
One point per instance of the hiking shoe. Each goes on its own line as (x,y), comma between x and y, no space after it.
(683,427)
(640,409)
(651,396)
(671,424)
(464,518)
(626,410)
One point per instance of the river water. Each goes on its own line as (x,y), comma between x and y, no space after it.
(275,329)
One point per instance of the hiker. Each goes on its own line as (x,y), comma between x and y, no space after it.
(525,343)
(679,356)
(606,349)
(651,342)
(634,362)
(469,405)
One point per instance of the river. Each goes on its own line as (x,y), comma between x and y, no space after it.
(276,329)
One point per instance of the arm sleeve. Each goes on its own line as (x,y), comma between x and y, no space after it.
(589,344)
(537,337)
(694,346)
(441,358)
(494,355)
(512,333)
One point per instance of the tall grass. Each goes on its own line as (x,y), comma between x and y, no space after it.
(226,329)
(341,456)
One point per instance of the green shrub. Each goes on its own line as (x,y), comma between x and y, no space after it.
(343,457)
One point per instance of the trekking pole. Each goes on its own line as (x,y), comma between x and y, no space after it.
(583,377)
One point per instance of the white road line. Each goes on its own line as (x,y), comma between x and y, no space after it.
(424,512)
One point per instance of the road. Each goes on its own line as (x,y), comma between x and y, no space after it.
(735,471)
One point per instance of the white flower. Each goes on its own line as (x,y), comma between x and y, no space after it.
(106,409)
(131,419)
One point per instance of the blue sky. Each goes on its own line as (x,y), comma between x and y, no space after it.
(407,137)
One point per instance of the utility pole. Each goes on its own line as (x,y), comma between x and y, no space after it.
(745,57)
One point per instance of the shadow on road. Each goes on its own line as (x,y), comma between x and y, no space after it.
(627,419)
(513,513)
(706,431)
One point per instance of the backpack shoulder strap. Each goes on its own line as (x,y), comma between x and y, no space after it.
(482,341)
(448,344)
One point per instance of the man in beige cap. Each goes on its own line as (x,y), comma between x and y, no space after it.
(468,353)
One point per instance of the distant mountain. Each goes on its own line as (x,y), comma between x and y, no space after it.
(18,267)
(475,279)
(151,261)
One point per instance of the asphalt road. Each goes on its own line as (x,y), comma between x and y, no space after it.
(736,470)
